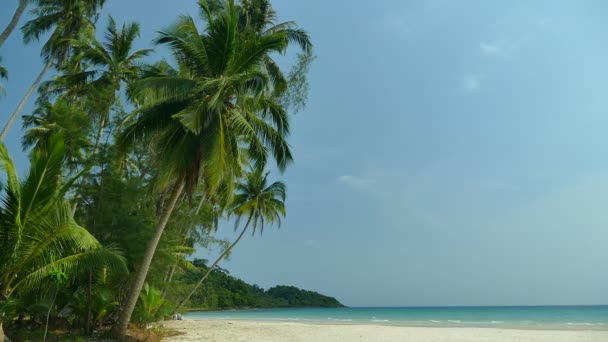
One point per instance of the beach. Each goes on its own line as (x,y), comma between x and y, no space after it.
(252,331)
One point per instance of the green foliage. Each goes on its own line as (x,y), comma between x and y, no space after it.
(102,305)
(296,94)
(58,278)
(223,291)
(37,232)
(292,296)
(56,120)
(259,201)
(216,100)
(100,178)
(67,21)
(149,305)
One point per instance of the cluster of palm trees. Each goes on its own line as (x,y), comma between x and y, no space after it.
(203,127)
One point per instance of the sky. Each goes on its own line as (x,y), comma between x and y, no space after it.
(451,153)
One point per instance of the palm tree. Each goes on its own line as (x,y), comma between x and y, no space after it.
(60,119)
(69,20)
(259,16)
(260,203)
(14,21)
(202,114)
(37,231)
(117,64)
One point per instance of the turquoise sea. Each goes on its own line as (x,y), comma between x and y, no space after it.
(527,317)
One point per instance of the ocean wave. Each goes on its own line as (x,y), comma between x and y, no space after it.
(457,321)
(584,323)
(380,320)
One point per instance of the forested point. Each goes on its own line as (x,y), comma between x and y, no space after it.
(223,291)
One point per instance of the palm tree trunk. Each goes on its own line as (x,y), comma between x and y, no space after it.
(120,328)
(200,282)
(33,87)
(3,337)
(87,325)
(48,314)
(168,280)
(14,21)
(102,123)
(171,271)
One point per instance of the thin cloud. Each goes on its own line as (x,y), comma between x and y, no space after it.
(396,24)
(492,49)
(310,243)
(355,182)
(500,48)
(471,83)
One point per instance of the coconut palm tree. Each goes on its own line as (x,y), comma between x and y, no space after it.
(259,16)
(60,119)
(14,21)
(69,21)
(260,203)
(37,231)
(201,115)
(116,64)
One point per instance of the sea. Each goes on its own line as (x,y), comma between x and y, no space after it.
(517,317)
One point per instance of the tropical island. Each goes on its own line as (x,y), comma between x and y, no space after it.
(222,291)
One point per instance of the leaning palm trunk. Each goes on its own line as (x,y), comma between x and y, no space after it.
(98,137)
(120,328)
(3,337)
(14,21)
(33,87)
(171,271)
(222,256)
(48,314)
(93,155)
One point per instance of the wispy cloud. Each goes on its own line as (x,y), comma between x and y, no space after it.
(491,49)
(310,243)
(500,48)
(396,24)
(355,182)
(472,82)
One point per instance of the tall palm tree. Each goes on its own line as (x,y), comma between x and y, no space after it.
(37,231)
(69,20)
(259,16)
(14,21)
(60,119)
(116,64)
(260,203)
(202,115)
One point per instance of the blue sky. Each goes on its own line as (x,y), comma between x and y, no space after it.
(452,153)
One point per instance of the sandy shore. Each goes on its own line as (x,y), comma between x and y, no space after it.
(246,331)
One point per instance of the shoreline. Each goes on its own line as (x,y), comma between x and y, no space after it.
(438,325)
(278,331)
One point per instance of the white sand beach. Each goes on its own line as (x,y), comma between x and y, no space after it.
(249,331)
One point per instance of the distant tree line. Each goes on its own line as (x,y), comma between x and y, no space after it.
(223,291)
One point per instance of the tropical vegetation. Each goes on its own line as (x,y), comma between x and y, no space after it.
(223,291)
(137,160)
